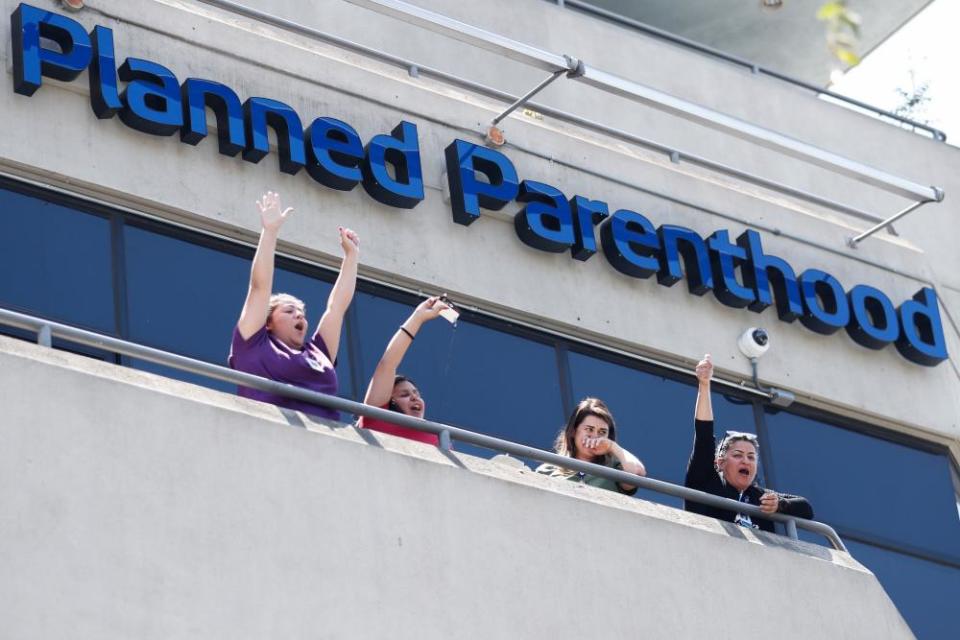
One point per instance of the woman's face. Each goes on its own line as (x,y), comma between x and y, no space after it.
(739,464)
(590,428)
(288,324)
(407,398)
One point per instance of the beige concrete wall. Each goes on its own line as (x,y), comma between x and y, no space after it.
(133,506)
(57,139)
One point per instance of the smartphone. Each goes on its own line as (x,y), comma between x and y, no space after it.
(450,314)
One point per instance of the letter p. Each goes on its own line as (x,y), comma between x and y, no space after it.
(467,192)
(31,60)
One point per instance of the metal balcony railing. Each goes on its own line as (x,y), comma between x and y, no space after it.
(47,330)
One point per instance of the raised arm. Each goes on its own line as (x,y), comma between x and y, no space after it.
(700,467)
(254,313)
(381,385)
(704,409)
(331,324)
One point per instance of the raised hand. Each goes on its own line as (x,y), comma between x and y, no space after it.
(705,370)
(429,309)
(349,241)
(272,214)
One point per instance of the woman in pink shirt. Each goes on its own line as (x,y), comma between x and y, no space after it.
(388,390)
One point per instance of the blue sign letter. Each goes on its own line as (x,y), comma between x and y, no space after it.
(586,214)
(401,149)
(761,271)
(198,94)
(467,193)
(104,97)
(676,241)
(152,99)
(725,257)
(826,303)
(545,222)
(921,333)
(31,61)
(334,152)
(630,243)
(873,321)
(260,112)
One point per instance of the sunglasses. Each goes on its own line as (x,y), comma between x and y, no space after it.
(741,435)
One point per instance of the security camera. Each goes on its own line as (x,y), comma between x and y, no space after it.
(754,342)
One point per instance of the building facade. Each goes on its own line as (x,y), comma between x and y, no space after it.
(630,238)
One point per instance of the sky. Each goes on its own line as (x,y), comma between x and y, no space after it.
(925,50)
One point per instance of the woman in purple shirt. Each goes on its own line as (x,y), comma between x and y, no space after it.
(270,339)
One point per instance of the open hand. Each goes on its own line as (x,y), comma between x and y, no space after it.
(272,213)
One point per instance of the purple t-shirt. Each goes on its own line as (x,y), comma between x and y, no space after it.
(265,356)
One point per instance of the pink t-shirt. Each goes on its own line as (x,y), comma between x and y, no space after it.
(397,430)
(265,356)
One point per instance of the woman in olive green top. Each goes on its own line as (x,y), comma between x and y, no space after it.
(590,435)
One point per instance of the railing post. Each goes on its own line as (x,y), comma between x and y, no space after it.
(45,336)
(791,525)
(445,440)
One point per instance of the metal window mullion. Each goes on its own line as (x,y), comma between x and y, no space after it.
(565,377)
(118,260)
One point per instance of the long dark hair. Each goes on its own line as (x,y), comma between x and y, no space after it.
(397,379)
(564,444)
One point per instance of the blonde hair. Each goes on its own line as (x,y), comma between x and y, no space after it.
(278,299)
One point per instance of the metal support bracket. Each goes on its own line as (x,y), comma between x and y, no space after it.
(519,102)
(855,240)
(574,69)
(45,336)
(445,440)
(791,526)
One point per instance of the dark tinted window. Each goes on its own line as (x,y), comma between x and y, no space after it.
(926,593)
(56,262)
(867,485)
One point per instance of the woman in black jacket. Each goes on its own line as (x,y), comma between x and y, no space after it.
(729,470)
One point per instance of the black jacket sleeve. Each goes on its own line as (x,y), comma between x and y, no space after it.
(797,506)
(700,467)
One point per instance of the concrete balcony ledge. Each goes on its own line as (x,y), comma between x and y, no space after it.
(134,506)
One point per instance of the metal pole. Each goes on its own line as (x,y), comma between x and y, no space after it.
(523,100)
(792,529)
(852,242)
(445,443)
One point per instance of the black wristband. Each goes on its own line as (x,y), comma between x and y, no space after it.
(404,329)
